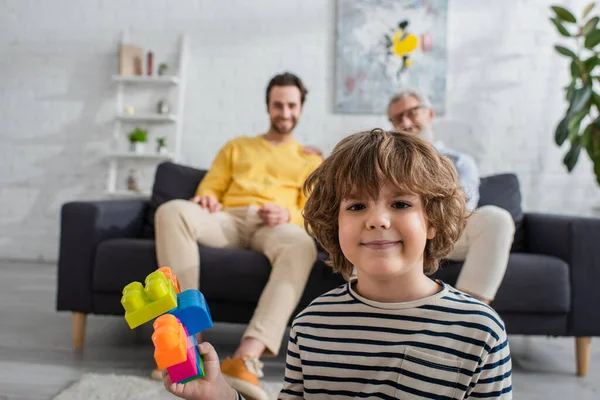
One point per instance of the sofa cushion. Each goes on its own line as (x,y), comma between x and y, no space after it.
(533,283)
(231,274)
(171,181)
(503,190)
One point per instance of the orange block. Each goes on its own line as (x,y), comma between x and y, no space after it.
(171,276)
(170,341)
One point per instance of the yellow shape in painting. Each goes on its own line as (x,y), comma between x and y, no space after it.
(404,46)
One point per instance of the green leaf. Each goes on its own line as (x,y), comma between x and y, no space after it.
(575,123)
(561,29)
(587,140)
(591,63)
(587,9)
(570,90)
(590,25)
(570,159)
(580,98)
(564,14)
(592,39)
(562,131)
(575,70)
(565,51)
(596,100)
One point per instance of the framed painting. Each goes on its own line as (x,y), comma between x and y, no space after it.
(383,46)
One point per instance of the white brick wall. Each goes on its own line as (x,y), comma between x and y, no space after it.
(56,100)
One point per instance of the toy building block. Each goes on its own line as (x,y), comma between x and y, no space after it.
(170,341)
(192,311)
(192,368)
(143,304)
(171,276)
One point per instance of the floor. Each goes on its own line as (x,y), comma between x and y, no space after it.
(36,359)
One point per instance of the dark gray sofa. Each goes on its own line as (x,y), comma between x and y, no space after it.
(549,287)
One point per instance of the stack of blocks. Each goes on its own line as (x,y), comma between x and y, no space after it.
(179,317)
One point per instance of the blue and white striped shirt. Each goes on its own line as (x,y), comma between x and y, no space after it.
(446,346)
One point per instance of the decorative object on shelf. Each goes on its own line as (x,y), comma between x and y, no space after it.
(150,66)
(161,145)
(137,140)
(580,125)
(132,181)
(130,60)
(162,69)
(129,110)
(163,107)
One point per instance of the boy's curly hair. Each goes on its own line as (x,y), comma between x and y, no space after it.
(363,163)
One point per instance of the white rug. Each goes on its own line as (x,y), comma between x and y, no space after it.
(126,387)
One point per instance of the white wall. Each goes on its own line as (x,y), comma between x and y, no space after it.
(56,99)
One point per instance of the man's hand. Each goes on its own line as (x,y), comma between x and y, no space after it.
(274,215)
(312,150)
(211,386)
(208,202)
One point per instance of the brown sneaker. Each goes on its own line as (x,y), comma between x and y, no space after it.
(156,374)
(242,374)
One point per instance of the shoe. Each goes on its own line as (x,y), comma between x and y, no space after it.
(156,374)
(242,374)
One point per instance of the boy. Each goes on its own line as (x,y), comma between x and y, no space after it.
(388,205)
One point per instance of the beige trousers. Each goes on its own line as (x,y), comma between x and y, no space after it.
(180,225)
(484,246)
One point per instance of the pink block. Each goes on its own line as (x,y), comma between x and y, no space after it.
(186,369)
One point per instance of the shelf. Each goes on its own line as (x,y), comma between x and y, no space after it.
(157,118)
(143,156)
(144,79)
(128,194)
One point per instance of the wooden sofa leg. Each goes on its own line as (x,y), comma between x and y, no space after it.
(583,346)
(79,321)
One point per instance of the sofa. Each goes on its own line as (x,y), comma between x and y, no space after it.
(549,286)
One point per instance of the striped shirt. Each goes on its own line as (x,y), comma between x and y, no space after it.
(446,346)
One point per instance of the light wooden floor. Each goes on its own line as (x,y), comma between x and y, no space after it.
(36,360)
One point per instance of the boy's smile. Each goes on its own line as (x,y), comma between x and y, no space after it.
(381,244)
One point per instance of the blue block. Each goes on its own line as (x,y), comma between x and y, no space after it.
(192,311)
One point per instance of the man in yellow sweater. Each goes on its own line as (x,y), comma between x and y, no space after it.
(251,197)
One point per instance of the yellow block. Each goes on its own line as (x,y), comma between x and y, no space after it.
(144,303)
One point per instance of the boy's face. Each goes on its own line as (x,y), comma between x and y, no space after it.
(384,238)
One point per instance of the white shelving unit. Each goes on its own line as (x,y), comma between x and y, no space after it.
(123,123)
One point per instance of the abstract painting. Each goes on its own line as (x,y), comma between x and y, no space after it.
(386,45)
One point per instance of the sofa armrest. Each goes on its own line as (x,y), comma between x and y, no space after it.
(84,225)
(574,240)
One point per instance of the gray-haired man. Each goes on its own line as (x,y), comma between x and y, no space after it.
(486,241)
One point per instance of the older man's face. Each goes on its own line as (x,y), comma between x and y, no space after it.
(409,115)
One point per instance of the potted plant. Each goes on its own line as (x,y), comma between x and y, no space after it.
(137,140)
(580,126)
(163,68)
(161,145)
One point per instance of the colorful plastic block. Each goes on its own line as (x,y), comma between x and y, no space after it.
(188,368)
(171,276)
(192,311)
(144,303)
(170,341)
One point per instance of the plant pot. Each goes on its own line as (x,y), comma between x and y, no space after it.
(162,150)
(137,147)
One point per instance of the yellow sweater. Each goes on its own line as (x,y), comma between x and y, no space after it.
(252,171)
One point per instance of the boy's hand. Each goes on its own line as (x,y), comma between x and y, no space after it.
(211,386)
(274,215)
(208,202)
